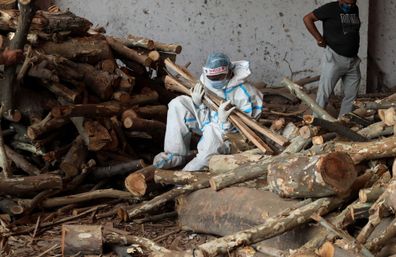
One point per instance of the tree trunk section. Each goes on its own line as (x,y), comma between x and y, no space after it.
(173,177)
(81,239)
(29,185)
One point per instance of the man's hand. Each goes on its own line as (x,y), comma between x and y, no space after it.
(197,93)
(10,57)
(223,112)
(321,42)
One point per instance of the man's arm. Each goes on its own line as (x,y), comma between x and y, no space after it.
(309,21)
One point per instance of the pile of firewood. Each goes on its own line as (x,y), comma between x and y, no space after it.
(85,110)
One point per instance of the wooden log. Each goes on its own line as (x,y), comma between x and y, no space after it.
(224,163)
(63,91)
(173,48)
(146,96)
(8,89)
(30,184)
(316,176)
(135,41)
(21,162)
(320,140)
(172,177)
(137,68)
(136,182)
(149,126)
(128,53)
(376,130)
(297,144)
(121,169)
(334,127)
(106,109)
(82,197)
(153,112)
(360,151)
(10,207)
(98,135)
(297,91)
(388,116)
(163,198)
(74,158)
(46,125)
(377,243)
(81,239)
(90,49)
(290,131)
(46,22)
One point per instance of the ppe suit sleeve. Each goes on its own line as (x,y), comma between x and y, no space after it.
(249,100)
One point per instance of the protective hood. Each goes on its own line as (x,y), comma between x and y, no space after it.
(241,71)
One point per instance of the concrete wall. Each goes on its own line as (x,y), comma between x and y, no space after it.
(269,33)
(382,51)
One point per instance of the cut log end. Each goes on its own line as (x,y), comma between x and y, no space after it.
(154,56)
(338,171)
(136,184)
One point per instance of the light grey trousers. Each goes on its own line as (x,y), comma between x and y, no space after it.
(335,67)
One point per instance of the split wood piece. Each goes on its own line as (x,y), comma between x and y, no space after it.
(30,184)
(136,182)
(128,53)
(121,169)
(376,130)
(223,163)
(369,195)
(10,207)
(98,135)
(360,151)
(377,243)
(315,176)
(236,121)
(46,125)
(124,145)
(21,162)
(81,239)
(377,212)
(74,158)
(269,229)
(175,177)
(8,89)
(121,96)
(320,140)
(106,109)
(135,41)
(46,22)
(334,127)
(63,91)
(231,210)
(83,197)
(297,91)
(388,116)
(89,50)
(163,198)
(297,144)
(352,242)
(153,112)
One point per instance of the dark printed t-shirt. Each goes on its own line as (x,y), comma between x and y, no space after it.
(340,30)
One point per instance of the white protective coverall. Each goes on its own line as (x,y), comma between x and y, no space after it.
(184,118)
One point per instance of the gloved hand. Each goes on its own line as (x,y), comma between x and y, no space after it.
(197,93)
(224,112)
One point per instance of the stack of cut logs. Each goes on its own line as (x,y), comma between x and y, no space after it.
(85,110)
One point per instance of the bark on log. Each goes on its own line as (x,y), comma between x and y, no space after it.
(172,177)
(136,182)
(296,90)
(68,94)
(377,243)
(153,112)
(29,185)
(46,125)
(316,176)
(224,163)
(320,140)
(106,109)
(121,169)
(8,88)
(128,53)
(74,158)
(84,49)
(21,162)
(81,239)
(46,22)
(376,130)
(135,41)
(98,135)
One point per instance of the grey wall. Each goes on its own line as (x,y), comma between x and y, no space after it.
(269,33)
(382,43)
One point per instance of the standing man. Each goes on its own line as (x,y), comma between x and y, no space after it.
(341,40)
(188,115)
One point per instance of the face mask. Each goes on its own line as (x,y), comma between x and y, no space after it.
(346,8)
(219,84)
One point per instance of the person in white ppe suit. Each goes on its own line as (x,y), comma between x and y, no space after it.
(187,115)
